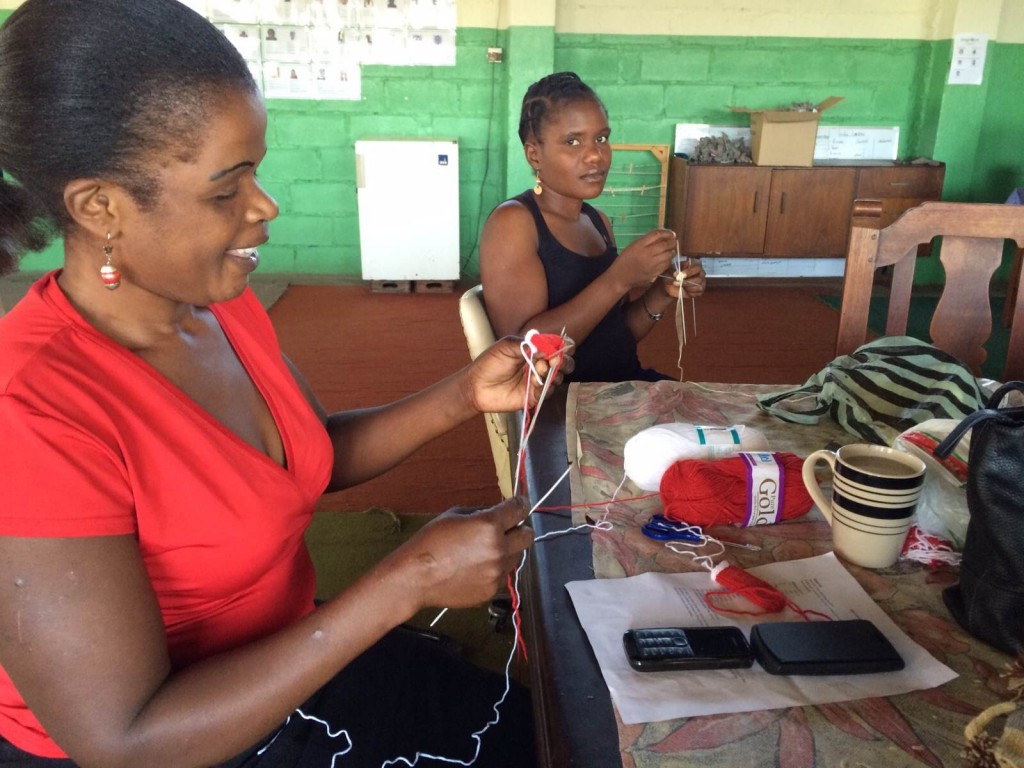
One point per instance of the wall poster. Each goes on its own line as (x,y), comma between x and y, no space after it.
(313,49)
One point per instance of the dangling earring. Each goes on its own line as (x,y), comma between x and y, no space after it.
(537,188)
(109,274)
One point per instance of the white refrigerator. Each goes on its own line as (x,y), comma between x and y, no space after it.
(408,197)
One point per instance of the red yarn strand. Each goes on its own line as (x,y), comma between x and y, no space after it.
(741,583)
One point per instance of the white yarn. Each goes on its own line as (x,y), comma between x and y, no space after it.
(649,453)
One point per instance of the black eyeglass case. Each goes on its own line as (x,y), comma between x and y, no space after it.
(847,647)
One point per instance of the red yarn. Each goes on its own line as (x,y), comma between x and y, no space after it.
(548,345)
(520,643)
(762,594)
(740,582)
(716,491)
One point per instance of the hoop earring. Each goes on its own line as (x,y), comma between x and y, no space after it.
(537,188)
(109,274)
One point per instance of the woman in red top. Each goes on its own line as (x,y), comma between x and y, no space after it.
(162,459)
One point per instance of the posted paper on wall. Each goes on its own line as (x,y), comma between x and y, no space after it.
(608,607)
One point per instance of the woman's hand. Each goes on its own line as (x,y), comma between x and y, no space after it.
(497,379)
(691,278)
(643,260)
(463,556)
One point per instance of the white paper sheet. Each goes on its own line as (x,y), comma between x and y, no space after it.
(608,607)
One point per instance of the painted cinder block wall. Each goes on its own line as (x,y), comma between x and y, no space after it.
(654,63)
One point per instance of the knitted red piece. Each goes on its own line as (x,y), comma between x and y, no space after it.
(715,492)
(548,345)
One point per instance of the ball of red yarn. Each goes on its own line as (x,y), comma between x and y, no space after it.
(715,491)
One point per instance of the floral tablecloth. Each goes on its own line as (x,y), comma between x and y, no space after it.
(919,728)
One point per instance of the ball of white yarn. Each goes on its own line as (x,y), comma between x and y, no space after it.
(650,452)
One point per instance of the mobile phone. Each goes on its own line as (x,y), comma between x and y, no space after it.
(847,647)
(651,649)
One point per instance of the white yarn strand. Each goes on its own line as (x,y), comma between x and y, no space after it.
(477,735)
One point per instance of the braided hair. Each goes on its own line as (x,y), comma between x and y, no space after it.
(548,94)
(100,89)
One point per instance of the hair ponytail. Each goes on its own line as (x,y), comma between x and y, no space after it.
(23,224)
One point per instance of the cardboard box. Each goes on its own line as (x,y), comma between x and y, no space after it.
(784,137)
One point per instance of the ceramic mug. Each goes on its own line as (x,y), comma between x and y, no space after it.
(874,496)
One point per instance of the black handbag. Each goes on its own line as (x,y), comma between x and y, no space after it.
(989,599)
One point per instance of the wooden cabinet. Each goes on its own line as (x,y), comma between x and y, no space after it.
(900,187)
(809,211)
(722,212)
(747,210)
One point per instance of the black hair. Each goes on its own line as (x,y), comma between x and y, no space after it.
(546,95)
(97,89)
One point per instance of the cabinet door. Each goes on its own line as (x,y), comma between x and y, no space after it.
(726,210)
(810,212)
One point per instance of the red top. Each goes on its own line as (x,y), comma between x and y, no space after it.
(96,442)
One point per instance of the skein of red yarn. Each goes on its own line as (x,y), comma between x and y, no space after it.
(718,491)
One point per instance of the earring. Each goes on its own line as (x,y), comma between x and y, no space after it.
(109,274)
(537,188)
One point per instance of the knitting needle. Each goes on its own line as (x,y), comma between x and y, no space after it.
(519,524)
(550,491)
(673,279)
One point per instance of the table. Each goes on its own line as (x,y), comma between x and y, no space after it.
(573,713)
(576,723)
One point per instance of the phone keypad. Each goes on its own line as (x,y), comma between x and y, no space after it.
(662,643)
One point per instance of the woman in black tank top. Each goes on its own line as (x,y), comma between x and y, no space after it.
(548,259)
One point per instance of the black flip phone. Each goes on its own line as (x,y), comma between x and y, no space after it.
(848,647)
(666,648)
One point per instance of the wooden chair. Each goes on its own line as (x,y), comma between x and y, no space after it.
(973,238)
(479,336)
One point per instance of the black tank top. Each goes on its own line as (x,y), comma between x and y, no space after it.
(609,352)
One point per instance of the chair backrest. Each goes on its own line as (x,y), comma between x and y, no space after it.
(973,239)
(479,336)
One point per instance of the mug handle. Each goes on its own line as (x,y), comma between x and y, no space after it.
(811,482)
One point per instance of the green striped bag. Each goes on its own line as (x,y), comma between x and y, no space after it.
(882,389)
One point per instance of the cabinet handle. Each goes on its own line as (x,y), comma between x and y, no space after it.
(756,193)
(782,203)
(899,183)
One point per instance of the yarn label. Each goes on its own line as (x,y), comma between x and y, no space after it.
(717,441)
(765,488)
(711,435)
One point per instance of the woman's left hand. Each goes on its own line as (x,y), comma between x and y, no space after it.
(497,378)
(691,278)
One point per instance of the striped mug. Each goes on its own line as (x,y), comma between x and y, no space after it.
(874,496)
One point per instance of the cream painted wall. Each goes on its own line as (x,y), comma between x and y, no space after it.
(508,13)
(1001,20)
(1011,24)
(910,19)
(979,17)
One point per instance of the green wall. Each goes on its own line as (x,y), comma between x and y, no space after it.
(649,83)
(1000,155)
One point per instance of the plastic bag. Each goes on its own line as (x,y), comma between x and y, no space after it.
(942,509)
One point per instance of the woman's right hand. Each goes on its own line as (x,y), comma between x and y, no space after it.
(464,555)
(645,258)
